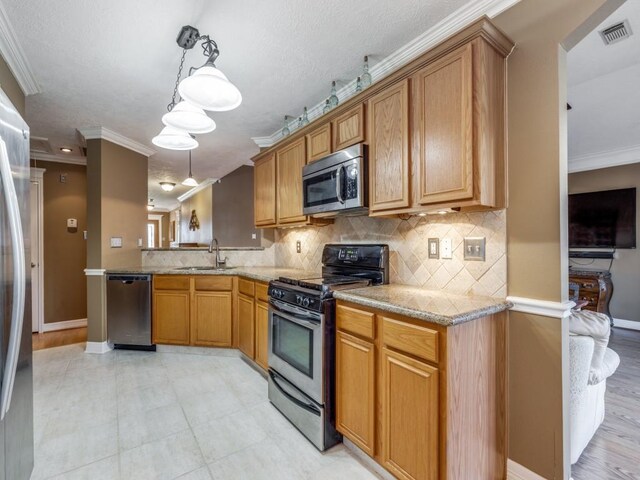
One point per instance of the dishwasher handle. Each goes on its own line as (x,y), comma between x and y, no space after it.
(129,279)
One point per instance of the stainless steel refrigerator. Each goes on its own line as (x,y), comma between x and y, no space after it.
(16,397)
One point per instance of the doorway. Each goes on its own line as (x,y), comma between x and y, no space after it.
(37,250)
(154,231)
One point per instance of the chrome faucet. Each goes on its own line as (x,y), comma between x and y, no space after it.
(220,262)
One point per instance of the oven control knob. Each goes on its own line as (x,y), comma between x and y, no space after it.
(298,299)
(305,302)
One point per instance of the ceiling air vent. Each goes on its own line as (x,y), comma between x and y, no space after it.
(616,33)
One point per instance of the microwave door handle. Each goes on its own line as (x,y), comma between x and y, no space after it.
(339,184)
(19,280)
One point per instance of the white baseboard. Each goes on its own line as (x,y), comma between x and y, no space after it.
(65,325)
(630,324)
(515,471)
(98,347)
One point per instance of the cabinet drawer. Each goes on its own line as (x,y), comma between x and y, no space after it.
(412,339)
(171,282)
(245,287)
(205,283)
(355,321)
(261,292)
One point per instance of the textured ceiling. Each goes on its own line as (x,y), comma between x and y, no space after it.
(603,89)
(113,64)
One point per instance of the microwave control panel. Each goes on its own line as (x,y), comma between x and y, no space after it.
(351,189)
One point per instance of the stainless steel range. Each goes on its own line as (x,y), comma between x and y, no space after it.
(302,336)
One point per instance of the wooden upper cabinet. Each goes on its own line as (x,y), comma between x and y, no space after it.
(388,134)
(410,413)
(290,160)
(212,319)
(319,143)
(348,128)
(264,193)
(444,104)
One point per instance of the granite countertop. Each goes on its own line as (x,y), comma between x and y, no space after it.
(262,274)
(203,248)
(429,305)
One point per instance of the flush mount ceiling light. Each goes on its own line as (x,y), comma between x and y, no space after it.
(175,139)
(150,205)
(206,88)
(190,181)
(167,186)
(66,149)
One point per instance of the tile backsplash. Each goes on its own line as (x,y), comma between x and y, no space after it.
(407,240)
(189,258)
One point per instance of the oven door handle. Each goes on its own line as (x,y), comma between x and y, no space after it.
(309,407)
(293,310)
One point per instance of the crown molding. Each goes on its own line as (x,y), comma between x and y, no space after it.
(13,54)
(199,188)
(92,133)
(52,157)
(544,308)
(444,29)
(611,158)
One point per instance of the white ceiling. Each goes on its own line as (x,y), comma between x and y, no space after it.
(604,83)
(113,64)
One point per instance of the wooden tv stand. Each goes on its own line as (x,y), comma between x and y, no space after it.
(594,286)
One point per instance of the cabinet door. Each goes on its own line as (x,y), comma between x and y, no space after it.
(171,317)
(409,417)
(389,148)
(245,325)
(348,128)
(264,191)
(355,409)
(444,105)
(211,324)
(290,161)
(319,143)
(262,334)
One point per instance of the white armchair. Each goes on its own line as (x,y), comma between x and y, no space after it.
(591,363)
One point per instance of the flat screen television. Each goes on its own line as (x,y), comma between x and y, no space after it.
(604,219)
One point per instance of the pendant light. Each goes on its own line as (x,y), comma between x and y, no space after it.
(207,87)
(190,118)
(190,181)
(175,139)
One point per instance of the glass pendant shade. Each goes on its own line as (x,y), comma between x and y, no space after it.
(190,118)
(174,139)
(190,182)
(208,88)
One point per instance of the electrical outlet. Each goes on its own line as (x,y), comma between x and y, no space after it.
(298,247)
(474,248)
(434,248)
(253,236)
(446,249)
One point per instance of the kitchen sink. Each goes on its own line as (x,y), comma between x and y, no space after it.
(190,269)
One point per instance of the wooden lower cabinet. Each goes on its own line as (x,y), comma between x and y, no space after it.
(409,417)
(355,390)
(212,319)
(246,325)
(171,321)
(262,334)
(426,401)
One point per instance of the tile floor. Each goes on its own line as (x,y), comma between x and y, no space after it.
(165,415)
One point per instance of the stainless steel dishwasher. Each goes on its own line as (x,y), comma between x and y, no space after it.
(129,311)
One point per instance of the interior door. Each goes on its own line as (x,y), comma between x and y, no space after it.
(35,261)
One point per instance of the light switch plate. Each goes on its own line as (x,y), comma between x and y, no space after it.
(434,248)
(116,242)
(474,248)
(445,248)
(140,242)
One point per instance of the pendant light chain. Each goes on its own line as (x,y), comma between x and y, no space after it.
(175,89)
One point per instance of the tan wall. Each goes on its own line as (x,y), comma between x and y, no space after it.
(625,272)
(11,87)
(65,251)
(202,203)
(536,220)
(233,210)
(124,200)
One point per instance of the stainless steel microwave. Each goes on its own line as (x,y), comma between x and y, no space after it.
(337,182)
